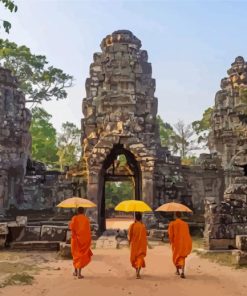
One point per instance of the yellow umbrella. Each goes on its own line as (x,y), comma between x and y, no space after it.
(133,206)
(76,202)
(173,207)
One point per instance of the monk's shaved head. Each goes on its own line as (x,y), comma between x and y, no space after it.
(178,214)
(138,216)
(80,210)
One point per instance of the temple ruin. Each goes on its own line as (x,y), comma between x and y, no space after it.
(228,139)
(120,111)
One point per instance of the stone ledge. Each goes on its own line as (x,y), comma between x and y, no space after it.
(241,242)
(35,245)
(240,257)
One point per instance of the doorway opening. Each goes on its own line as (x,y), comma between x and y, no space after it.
(119,180)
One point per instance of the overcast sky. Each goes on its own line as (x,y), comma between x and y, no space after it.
(190,44)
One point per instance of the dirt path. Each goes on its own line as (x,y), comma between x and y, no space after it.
(110,274)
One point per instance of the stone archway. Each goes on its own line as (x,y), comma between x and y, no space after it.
(109,172)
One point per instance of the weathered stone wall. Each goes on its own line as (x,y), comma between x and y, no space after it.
(45,191)
(203,182)
(225,221)
(15,140)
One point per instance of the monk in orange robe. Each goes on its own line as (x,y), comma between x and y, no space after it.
(80,242)
(181,242)
(138,244)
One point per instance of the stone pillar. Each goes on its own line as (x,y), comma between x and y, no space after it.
(15,140)
(148,188)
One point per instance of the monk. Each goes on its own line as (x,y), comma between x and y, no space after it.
(138,244)
(180,239)
(80,242)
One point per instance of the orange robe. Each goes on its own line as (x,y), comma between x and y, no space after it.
(138,244)
(80,241)
(180,239)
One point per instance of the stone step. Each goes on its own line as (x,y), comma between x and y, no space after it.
(35,246)
(106,242)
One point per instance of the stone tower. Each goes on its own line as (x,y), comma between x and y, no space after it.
(120,115)
(225,220)
(15,140)
(229,133)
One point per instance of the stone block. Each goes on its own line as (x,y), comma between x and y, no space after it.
(68,236)
(157,234)
(3,238)
(53,233)
(122,244)
(4,228)
(241,242)
(240,258)
(31,233)
(220,244)
(21,220)
(106,242)
(15,232)
(65,250)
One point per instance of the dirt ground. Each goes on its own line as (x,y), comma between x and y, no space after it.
(118,223)
(110,274)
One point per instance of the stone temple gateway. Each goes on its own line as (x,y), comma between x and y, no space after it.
(120,115)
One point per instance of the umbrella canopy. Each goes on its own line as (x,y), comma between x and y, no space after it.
(173,207)
(76,202)
(133,206)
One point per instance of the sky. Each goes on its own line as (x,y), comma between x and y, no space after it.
(190,44)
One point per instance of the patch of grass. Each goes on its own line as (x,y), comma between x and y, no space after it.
(15,267)
(197,242)
(225,259)
(93,245)
(18,279)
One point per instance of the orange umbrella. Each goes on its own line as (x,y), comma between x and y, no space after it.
(173,207)
(76,202)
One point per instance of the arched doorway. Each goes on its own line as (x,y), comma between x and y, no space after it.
(113,172)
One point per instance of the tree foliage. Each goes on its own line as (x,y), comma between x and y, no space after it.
(10,5)
(115,192)
(167,135)
(38,80)
(203,126)
(69,147)
(43,137)
(185,138)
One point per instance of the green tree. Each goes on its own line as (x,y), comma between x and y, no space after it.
(167,135)
(115,192)
(202,127)
(38,80)
(43,137)
(10,5)
(69,147)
